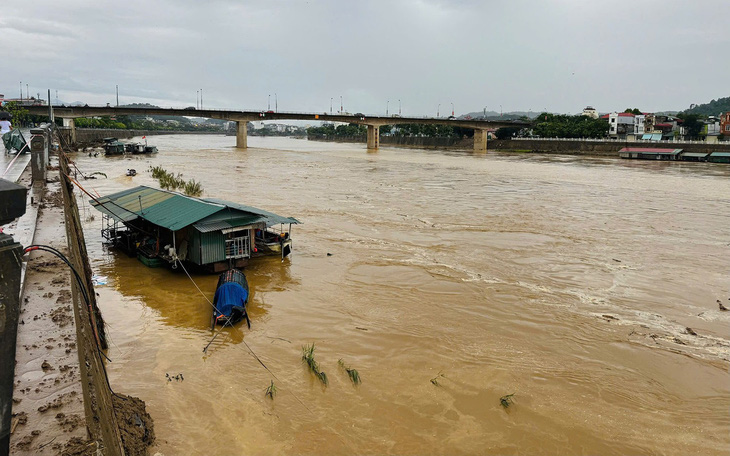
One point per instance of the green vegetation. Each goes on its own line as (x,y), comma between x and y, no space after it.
(170,181)
(308,357)
(20,114)
(270,391)
(692,124)
(329,131)
(713,108)
(506,401)
(352,373)
(566,126)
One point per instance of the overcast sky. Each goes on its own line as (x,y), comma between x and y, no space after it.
(559,55)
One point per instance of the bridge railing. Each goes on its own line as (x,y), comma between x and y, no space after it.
(193,110)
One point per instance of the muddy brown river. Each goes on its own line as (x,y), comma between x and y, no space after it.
(568,281)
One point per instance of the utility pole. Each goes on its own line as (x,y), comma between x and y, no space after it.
(117,95)
(27,92)
(21,91)
(386,107)
(438,110)
(268,105)
(276,102)
(201,98)
(341,109)
(197,98)
(452,109)
(399,107)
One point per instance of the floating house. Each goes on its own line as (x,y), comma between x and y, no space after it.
(719,157)
(694,156)
(650,153)
(162,227)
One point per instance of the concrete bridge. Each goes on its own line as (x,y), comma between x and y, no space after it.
(373,123)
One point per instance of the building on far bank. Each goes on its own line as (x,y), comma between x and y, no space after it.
(725,124)
(590,111)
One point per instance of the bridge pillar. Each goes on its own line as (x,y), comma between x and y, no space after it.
(373,136)
(480,140)
(242,134)
(71,125)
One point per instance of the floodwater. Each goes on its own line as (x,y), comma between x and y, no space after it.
(568,281)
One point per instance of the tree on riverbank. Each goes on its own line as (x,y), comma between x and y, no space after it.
(566,126)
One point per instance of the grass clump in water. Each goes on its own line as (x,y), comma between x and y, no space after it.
(308,357)
(352,373)
(170,181)
(270,391)
(506,401)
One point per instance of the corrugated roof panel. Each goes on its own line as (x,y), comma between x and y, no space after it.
(166,209)
(271,218)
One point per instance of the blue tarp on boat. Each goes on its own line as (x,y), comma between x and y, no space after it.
(228,296)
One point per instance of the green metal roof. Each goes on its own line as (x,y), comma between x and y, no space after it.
(270,218)
(175,211)
(720,154)
(228,218)
(167,209)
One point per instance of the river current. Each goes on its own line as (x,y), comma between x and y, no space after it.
(447,280)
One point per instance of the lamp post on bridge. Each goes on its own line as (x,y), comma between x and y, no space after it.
(268,105)
(276,102)
(500,111)
(452,109)
(387,103)
(201,98)
(341,108)
(438,110)
(21,91)
(398,107)
(117,95)
(331,99)
(485,113)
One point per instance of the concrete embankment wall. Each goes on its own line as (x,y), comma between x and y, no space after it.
(120,422)
(408,141)
(594,147)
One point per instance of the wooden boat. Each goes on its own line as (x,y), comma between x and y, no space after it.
(134,148)
(231,299)
(112,146)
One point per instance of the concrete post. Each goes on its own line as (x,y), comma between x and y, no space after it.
(480,140)
(39,144)
(71,124)
(10,262)
(373,136)
(242,134)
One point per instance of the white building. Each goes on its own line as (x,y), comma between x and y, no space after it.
(590,111)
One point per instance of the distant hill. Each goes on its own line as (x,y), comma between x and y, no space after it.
(713,108)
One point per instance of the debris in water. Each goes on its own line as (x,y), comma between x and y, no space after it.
(329,254)
(679,341)
(690,331)
(617,261)
(506,401)
(609,317)
(723,308)
(99,280)
(360,328)
(435,380)
(177,378)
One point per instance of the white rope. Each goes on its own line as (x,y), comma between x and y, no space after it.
(196,285)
